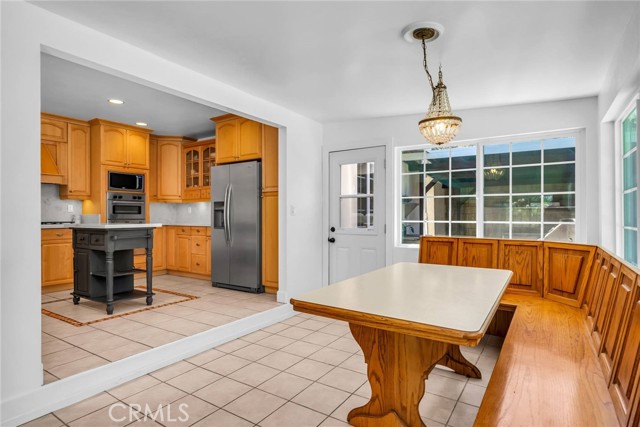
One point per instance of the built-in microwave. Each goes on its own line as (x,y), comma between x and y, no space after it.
(123,181)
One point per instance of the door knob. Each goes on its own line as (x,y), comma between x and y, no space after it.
(332,239)
(332,229)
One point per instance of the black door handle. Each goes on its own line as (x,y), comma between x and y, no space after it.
(332,239)
(332,229)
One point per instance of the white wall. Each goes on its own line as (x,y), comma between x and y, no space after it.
(486,123)
(26,31)
(620,86)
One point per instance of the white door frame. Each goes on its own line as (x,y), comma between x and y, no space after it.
(387,143)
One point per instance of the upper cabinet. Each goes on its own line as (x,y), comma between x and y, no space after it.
(65,155)
(121,145)
(169,166)
(198,157)
(237,139)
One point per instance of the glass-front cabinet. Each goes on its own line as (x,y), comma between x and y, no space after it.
(198,159)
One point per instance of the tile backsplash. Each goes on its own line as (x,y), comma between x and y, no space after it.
(55,209)
(181,213)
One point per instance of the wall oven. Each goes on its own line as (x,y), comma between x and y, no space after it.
(123,181)
(126,208)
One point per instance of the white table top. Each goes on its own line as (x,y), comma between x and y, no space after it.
(454,298)
(115,226)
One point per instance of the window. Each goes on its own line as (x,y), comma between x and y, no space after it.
(629,139)
(519,190)
(356,195)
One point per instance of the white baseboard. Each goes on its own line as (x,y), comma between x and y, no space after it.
(283,297)
(68,391)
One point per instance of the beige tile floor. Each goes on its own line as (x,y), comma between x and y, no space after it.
(68,349)
(304,371)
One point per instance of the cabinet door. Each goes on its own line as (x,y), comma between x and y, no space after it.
(159,249)
(438,250)
(270,240)
(226,142)
(208,160)
(524,259)
(137,149)
(152,176)
(183,253)
(566,271)
(170,247)
(625,379)
(57,263)
(612,335)
(78,167)
(270,159)
(249,139)
(192,171)
(53,130)
(114,145)
(208,243)
(169,182)
(481,253)
(199,245)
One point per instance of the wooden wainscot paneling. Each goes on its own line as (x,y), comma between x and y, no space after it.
(599,270)
(612,334)
(626,375)
(481,253)
(566,271)
(524,259)
(604,305)
(438,250)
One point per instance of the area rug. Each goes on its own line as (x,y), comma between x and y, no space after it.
(89,312)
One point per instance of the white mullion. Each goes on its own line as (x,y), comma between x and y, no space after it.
(480,190)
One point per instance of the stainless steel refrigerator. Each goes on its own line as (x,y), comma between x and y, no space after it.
(236,259)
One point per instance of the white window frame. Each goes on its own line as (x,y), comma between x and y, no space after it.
(580,164)
(619,184)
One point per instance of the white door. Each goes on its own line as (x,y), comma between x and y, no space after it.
(356,212)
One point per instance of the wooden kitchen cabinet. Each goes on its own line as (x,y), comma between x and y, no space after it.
(78,168)
(53,128)
(169,167)
(237,139)
(189,250)
(56,256)
(170,234)
(270,209)
(152,177)
(566,271)
(120,145)
(183,252)
(198,158)
(159,249)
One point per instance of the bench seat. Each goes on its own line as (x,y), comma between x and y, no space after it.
(547,373)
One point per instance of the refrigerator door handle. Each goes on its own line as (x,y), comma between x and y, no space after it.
(228,222)
(226,214)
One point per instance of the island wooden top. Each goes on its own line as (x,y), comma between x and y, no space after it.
(439,302)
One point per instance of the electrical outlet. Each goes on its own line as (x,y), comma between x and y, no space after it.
(292,210)
(69,208)
(189,209)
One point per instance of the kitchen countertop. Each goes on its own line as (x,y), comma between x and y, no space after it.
(155,225)
(115,226)
(47,226)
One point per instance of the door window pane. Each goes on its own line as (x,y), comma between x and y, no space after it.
(629,171)
(525,179)
(436,209)
(559,150)
(356,178)
(559,178)
(356,212)
(496,208)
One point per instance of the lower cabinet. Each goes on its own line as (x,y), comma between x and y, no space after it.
(56,256)
(188,249)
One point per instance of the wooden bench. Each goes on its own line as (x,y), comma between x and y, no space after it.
(571,321)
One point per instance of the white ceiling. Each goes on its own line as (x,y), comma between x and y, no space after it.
(72,90)
(347,60)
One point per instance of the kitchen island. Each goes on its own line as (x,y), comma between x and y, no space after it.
(103,262)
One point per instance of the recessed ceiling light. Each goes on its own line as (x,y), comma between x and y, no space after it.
(116,101)
(141,123)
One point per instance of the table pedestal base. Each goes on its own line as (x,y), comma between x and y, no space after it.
(397,366)
(454,359)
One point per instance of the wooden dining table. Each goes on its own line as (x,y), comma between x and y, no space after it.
(407,318)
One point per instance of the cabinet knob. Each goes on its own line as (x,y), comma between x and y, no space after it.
(198,264)
(198,244)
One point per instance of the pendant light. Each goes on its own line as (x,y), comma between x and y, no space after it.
(439,125)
